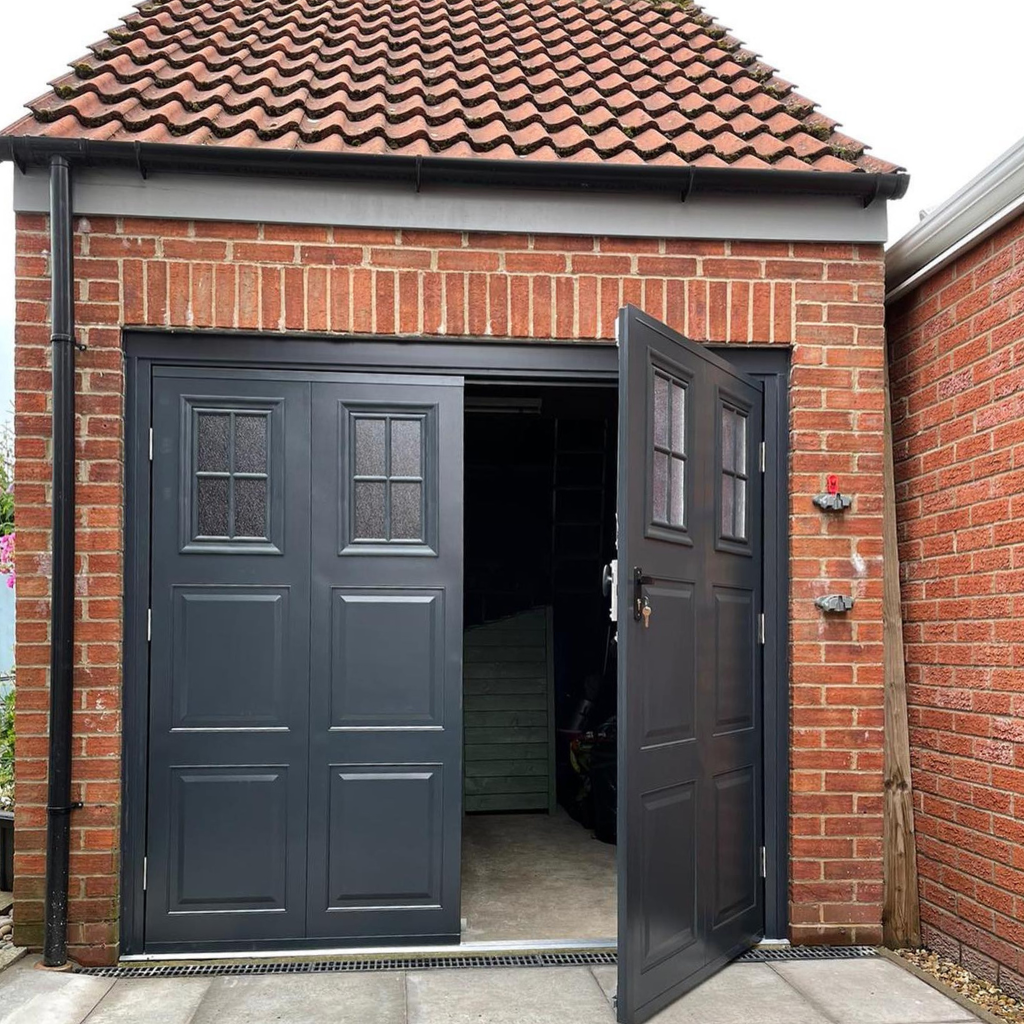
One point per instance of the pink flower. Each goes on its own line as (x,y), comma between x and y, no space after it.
(7,550)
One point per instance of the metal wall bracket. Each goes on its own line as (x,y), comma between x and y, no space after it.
(835,603)
(832,502)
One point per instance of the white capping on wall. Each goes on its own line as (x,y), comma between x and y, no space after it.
(969,216)
(301,201)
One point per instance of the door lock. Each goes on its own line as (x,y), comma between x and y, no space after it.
(639,599)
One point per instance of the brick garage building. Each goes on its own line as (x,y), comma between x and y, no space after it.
(956,328)
(550,204)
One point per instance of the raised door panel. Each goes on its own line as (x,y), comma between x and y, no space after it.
(228,840)
(387,658)
(386,837)
(230,657)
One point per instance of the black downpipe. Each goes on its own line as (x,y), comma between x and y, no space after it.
(62,611)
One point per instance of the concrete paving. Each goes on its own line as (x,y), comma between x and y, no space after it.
(795,992)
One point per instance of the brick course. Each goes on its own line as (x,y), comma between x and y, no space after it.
(957,363)
(823,300)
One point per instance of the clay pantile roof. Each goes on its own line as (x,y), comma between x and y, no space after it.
(614,81)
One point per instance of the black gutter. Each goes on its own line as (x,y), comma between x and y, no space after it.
(147,158)
(62,608)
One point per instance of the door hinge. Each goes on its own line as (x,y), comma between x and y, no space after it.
(760,628)
(149,623)
(764,456)
(764,863)
(145,873)
(150,444)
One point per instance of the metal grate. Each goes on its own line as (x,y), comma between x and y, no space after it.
(764,954)
(394,963)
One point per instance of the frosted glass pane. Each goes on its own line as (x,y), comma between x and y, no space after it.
(406,448)
(677,493)
(406,511)
(212,442)
(741,443)
(250,508)
(728,505)
(661,411)
(740,528)
(370,449)
(369,500)
(678,419)
(250,444)
(728,438)
(212,506)
(660,485)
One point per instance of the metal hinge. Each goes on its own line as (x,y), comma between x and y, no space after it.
(149,623)
(764,456)
(150,444)
(764,863)
(760,628)
(145,873)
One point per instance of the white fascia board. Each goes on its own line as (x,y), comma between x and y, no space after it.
(968,217)
(99,192)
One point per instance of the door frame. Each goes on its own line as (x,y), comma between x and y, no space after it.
(478,360)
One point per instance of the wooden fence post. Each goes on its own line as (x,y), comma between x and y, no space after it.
(901,915)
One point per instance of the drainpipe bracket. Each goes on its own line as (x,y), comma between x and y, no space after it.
(80,345)
(76,806)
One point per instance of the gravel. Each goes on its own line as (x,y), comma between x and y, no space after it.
(986,994)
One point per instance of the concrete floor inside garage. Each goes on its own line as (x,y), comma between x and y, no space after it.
(535,876)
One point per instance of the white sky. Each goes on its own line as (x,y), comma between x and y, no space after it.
(930,84)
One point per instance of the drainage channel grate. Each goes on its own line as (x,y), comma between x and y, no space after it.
(396,963)
(764,954)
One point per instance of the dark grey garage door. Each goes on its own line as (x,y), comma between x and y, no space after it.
(690,746)
(305,694)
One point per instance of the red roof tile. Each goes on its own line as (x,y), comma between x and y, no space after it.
(620,81)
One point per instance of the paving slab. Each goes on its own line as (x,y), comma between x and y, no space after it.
(740,994)
(526,995)
(870,991)
(28,996)
(10,955)
(304,999)
(737,995)
(151,1001)
(607,976)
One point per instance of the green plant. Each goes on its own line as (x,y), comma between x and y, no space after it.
(7,749)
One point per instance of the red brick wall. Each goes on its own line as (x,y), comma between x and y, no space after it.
(823,300)
(958,411)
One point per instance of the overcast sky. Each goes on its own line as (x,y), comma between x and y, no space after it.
(904,76)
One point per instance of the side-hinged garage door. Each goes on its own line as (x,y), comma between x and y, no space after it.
(304,777)
(690,743)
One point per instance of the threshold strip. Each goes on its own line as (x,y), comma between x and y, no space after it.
(362,964)
(765,954)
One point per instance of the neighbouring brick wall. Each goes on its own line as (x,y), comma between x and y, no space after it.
(826,301)
(957,364)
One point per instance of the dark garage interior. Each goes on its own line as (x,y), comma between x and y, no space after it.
(539,671)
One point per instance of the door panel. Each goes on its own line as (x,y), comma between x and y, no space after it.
(305,752)
(385,724)
(690,761)
(229,664)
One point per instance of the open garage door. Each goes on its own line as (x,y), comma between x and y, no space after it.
(690,823)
